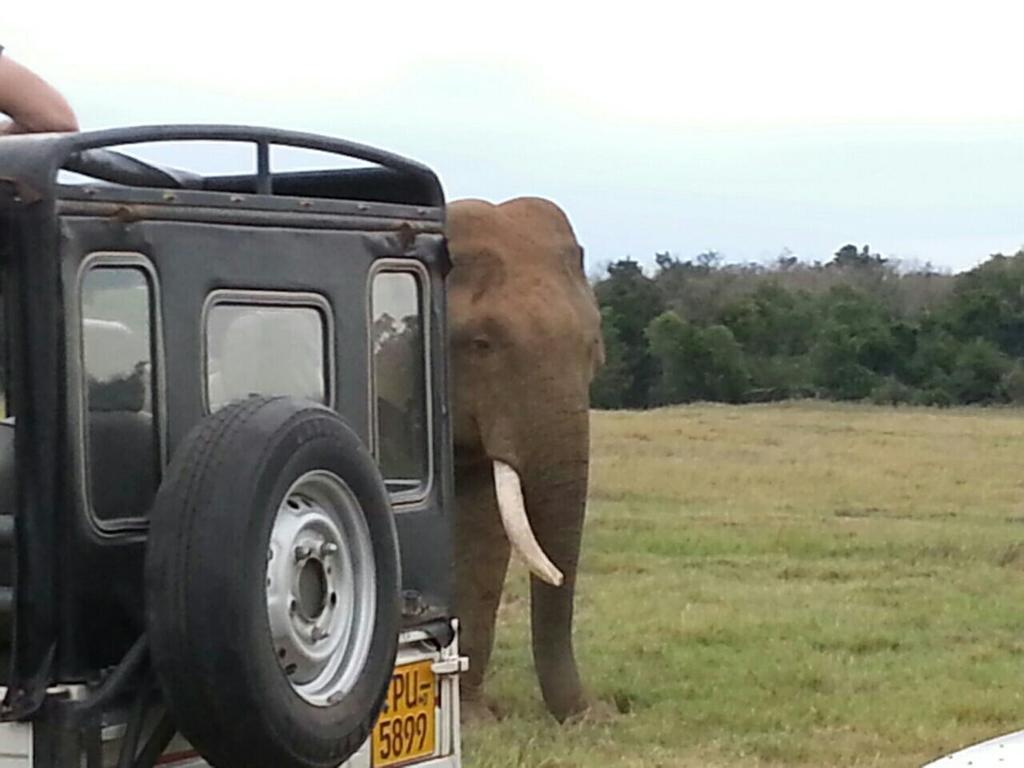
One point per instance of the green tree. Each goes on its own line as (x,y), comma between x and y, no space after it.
(858,326)
(697,363)
(772,321)
(978,372)
(726,376)
(681,355)
(837,370)
(868,324)
(634,300)
(933,357)
(988,303)
(848,257)
(613,380)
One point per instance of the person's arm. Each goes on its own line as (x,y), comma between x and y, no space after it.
(33,105)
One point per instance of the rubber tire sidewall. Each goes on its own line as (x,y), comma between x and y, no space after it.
(206,595)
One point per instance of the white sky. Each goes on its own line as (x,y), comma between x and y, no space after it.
(747,127)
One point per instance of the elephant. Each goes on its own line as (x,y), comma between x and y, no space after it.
(525,342)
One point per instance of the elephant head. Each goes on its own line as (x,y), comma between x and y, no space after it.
(525,343)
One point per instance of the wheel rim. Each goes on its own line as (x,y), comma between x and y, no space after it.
(321,586)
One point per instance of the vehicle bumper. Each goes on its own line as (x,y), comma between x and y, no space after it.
(447,664)
(19,748)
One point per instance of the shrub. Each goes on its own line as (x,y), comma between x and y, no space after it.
(936,396)
(980,367)
(892,391)
(1011,386)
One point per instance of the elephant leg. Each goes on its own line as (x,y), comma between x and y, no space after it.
(482,556)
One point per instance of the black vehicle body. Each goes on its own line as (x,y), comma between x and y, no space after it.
(75,591)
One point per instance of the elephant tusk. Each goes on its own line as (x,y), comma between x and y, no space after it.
(517,525)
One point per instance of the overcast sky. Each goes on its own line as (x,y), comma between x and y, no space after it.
(748,128)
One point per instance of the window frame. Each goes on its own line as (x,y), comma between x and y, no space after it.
(6,411)
(124,260)
(262,298)
(418,495)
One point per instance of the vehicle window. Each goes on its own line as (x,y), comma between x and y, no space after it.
(6,406)
(258,349)
(399,379)
(122,448)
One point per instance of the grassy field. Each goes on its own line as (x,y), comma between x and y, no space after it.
(798,585)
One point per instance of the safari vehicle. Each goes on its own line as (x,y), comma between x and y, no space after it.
(225,466)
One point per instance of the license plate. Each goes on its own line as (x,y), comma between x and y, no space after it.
(405,729)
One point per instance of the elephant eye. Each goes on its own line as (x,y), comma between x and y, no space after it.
(481,344)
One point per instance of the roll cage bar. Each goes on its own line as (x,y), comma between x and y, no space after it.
(33,161)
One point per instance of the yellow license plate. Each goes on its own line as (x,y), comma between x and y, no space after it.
(405,729)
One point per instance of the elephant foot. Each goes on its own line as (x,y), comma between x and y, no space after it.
(478,709)
(566,706)
(595,712)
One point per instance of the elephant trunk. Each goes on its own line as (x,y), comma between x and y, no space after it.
(556,501)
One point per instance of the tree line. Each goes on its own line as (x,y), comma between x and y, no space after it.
(860,326)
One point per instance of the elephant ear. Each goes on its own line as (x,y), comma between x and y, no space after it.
(575,256)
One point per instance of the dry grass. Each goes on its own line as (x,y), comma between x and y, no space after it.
(800,585)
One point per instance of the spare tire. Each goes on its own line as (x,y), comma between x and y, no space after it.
(272,587)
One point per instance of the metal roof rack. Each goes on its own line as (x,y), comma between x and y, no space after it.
(35,160)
